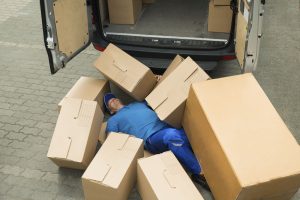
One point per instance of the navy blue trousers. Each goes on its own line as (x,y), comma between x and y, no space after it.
(176,141)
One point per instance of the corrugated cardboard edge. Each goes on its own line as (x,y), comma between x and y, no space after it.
(234,184)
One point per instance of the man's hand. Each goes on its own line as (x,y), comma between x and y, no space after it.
(158,77)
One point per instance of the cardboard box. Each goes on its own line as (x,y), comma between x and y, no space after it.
(112,173)
(221,2)
(168,98)
(103,134)
(126,72)
(124,11)
(244,147)
(219,18)
(172,66)
(162,177)
(89,89)
(74,140)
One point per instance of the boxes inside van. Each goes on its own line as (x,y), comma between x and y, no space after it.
(166,19)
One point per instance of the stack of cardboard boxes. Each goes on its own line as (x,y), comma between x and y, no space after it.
(245,149)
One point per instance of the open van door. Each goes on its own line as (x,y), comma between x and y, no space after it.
(66,30)
(248,34)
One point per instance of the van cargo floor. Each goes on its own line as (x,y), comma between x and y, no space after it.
(178,18)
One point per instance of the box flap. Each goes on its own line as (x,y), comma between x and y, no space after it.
(72,129)
(118,66)
(113,159)
(167,178)
(249,130)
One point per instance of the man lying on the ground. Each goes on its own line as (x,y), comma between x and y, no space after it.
(141,121)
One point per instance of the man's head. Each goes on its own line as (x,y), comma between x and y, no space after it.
(112,103)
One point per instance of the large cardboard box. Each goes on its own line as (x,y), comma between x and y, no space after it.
(112,173)
(89,89)
(168,98)
(219,18)
(124,11)
(162,177)
(244,147)
(125,71)
(75,136)
(221,2)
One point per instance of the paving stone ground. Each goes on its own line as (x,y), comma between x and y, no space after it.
(29,95)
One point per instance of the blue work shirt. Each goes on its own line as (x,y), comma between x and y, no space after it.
(135,119)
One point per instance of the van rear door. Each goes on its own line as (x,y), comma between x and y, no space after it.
(66,30)
(248,33)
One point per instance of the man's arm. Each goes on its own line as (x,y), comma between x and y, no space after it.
(112,126)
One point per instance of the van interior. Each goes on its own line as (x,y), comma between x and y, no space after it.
(166,23)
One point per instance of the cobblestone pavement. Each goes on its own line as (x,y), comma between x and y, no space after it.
(29,95)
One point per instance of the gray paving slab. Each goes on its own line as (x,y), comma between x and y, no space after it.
(29,95)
